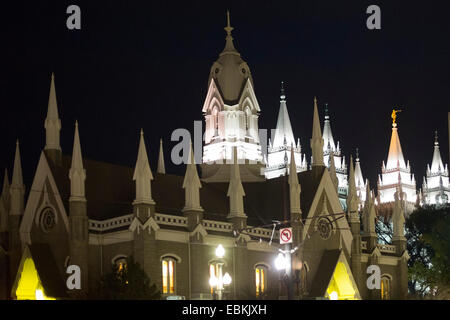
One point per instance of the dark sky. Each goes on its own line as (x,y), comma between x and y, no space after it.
(146,64)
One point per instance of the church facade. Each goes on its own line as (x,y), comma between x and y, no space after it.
(94,214)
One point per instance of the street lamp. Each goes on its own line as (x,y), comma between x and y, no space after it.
(280,262)
(220,280)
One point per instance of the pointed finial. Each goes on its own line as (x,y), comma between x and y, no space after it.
(326,111)
(357,154)
(228,28)
(282,93)
(436,143)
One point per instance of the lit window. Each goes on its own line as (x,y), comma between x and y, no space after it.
(385,288)
(260,280)
(168,275)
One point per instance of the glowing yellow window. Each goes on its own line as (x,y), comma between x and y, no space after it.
(260,280)
(385,288)
(168,273)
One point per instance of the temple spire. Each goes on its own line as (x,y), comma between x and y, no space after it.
(229,46)
(143,175)
(398,217)
(395,156)
(316,139)
(77,173)
(17,189)
(328,140)
(192,185)
(294,186)
(332,169)
(161,166)
(236,190)
(436,164)
(283,132)
(352,198)
(52,121)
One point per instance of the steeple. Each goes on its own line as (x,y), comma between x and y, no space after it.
(192,185)
(283,131)
(328,141)
(236,190)
(143,175)
(17,190)
(395,156)
(229,46)
(52,122)
(294,186)
(161,166)
(369,213)
(352,198)
(332,169)
(316,139)
(77,173)
(437,164)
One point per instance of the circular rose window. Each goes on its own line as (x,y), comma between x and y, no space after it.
(324,228)
(47,220)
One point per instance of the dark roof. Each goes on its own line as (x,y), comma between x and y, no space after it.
(324,272)
(52,282)
(110,192)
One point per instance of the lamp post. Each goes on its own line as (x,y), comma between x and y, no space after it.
(222,279)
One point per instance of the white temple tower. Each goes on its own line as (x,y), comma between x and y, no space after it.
(279,149)
(231,113)
(359,182)
(339,160)
(396,175)
(436,189)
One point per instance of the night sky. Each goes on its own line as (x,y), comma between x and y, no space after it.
(146,64)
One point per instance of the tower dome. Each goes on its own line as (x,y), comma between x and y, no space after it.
(230,71)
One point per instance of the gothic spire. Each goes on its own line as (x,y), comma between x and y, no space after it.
(143,174)
(161,166)
(328,141)
(316,139)
(236,190)
(398,216)
(437,164)
(192,184)
(52,122)
(17,189)
(395,156)
(332,169)
(294,186)
(229,46)
(77,173)
(352,198)
(283,131)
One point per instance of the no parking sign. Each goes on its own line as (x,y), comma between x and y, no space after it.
(285,235)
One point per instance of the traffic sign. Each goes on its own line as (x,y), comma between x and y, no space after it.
(285,235)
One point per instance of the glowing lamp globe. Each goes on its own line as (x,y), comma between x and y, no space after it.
(213,281)
(280,262)
(226,279)
(220,251)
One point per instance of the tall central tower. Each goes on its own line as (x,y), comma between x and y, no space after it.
(396,176)
(231,113)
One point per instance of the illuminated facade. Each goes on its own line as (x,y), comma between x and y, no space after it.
(436,188)
(96,214)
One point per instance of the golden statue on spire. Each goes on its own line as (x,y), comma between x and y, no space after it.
(394,115)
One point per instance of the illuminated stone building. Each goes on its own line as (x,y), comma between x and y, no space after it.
(91,214)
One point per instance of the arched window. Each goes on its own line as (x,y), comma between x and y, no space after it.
(168,274)
(260,279)
(120,262)
(248,120)
(385,288)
